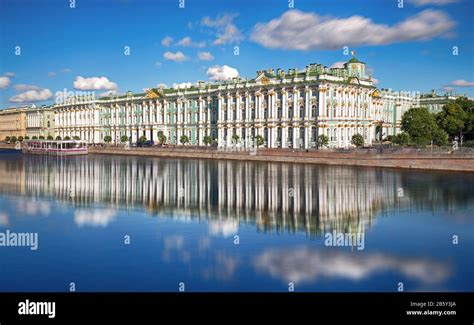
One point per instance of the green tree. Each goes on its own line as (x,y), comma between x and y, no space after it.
(161,138)
(357,140)
(107,139)
(13,139)
(207,140)
(440,137)
(378,132)
(58,138)
(451,119)
(67,138)
(142,139)
(41,137)
(50,137)
(34,137)
(7,139)
(468,106)
(391,138)
(123,138)
(402,139)
(27,138)
(259,140)
(184,139)
(420,125)
(76,137)
(235,138)
(20,138)
(323,140)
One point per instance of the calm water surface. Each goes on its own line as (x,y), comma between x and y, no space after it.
(111,223)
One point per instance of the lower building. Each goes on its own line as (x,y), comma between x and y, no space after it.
(13,122)
(40,122)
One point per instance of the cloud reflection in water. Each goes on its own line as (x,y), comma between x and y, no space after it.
(303,264)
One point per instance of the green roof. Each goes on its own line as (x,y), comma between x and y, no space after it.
(354,60)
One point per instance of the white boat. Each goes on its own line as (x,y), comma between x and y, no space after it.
(55,147)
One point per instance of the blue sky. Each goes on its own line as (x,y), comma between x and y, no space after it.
(83,48)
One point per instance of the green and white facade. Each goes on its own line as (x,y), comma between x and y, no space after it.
(288,109)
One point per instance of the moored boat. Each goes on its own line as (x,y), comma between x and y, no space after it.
(55,147)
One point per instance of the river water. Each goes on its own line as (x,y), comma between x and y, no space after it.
(115,223)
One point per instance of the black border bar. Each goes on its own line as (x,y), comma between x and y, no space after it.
(224,306)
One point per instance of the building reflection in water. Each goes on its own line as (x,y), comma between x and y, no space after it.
(273,196)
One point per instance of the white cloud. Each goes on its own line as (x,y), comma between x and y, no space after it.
(109,93)
(304,264)
(338,64)
(205,56)
(419,3)
(33,208)
(462,83)
(298,30)
(187,42)
(66,70)
(32,96)
(182,85)
(52,74)
(94,218)
(223,228)
(23,87)
(223,268)
(370,72)
(94,83)
(166,42)
(3,219)
(224,29)
(177,57)
(158,64)
(4,82)
(217,73)
(9,74)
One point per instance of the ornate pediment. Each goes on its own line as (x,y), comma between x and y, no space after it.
(153,93)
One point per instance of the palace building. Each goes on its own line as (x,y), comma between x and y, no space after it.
(288,109)
(285,109)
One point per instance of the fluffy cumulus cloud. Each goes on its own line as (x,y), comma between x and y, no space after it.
(338,64)
(3,219)
(224,28)
(4,82)
(94,83)
(205,56)
(109,93)
(182,85)
(30,96)
(462,83)
(23,87)
(298,30)
(302,264)
(9,74)
(176,57)
(223,228)
(166,42)
(187,42)
(94,218)
(420,3)
(220,73)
